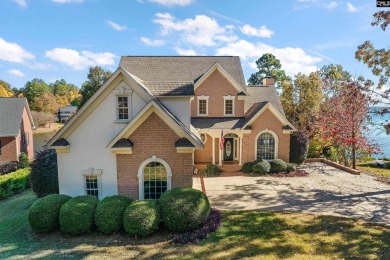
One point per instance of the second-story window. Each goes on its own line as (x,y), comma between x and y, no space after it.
(203,106)
(229,105)
(123,108)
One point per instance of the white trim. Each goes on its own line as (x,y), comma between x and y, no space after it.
(205,137)
(276,142)
(274,111)
(98,96)
(218,67)
(144,114)
(122,150)
(93,172)
(203,97)
(224,104)
(140,174)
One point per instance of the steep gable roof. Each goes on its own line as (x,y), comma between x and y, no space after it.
(11,113)
(178,71)
(259,94)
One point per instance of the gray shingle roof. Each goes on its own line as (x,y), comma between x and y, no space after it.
(61,142)
(11,113)
(171,88)
(178,69)
(123,143)
(183,142)
(258,94)
(218,122)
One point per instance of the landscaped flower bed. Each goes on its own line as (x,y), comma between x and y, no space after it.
(178,210)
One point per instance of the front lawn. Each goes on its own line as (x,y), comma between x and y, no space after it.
(379,172)
(253,234)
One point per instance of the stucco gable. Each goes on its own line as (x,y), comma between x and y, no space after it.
(116,79)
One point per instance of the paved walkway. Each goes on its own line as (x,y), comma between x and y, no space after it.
(325,191)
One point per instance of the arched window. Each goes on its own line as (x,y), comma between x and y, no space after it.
(154,177)
(266,145)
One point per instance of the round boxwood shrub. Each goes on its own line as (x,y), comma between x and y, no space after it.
(44,214)
(247,167)
(44,173)
(77,215)
(291,167)
(211,170)
(109,213)
(278,165)
(142,217)
(184,209)
(261,167)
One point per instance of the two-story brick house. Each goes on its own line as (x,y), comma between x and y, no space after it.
(16,125)
(157,116)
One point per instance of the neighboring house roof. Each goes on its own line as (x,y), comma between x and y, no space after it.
(218,122)
(71,109)
(11,114)
(258,94)
(172,70)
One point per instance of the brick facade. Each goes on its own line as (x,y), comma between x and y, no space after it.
(215,87)
(8,149)
(153,137)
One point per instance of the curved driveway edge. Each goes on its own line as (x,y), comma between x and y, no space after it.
(326,190)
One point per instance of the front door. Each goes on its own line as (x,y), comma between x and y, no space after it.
(228,153)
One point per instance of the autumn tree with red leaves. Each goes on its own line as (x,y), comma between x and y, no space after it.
(344,119)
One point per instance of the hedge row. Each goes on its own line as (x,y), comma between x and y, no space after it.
(14,182)
(261,166)
(181,209)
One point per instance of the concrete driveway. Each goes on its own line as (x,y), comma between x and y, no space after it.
(326,190)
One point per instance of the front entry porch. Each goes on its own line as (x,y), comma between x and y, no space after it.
(212,152)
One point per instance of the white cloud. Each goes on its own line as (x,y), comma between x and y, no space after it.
(80,60)
(116,26)
(263,31)
(172,2)
(183,52)
(331,5)
(293,60)
(151,42)
(13,52)
(351,8)
(16,73)
(21,3)
(68,1)
(200,31)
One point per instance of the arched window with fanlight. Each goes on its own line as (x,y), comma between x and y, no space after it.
(267,145)
(154,177)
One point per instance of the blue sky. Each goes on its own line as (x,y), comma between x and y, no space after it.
(54,39)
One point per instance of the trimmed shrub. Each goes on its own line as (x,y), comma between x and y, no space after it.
(43,215)
(142,217)
(211,170)
(44,173)
(247,167)
(14,182)
(109,213)
(184,209)
(23,161)
(278,165)
(8,167)
(291,167)
(260,167)
(77,215)
(299,144)
(387,166)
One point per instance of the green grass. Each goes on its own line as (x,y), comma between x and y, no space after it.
(380,172)
(245,234)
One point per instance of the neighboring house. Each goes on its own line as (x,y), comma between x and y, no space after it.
(16,125)
(64,113)
(144,130)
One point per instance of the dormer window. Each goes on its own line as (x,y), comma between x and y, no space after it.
(229,105)
(203,106)
(123,108)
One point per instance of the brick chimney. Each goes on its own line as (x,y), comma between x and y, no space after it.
(268,81)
